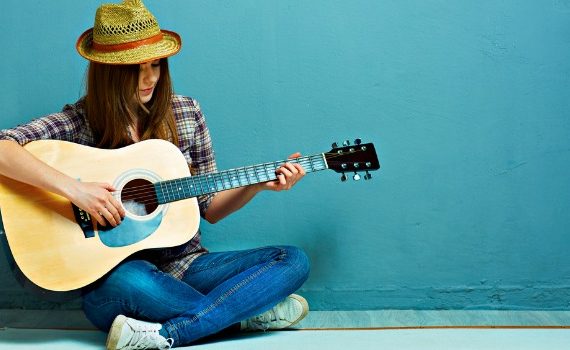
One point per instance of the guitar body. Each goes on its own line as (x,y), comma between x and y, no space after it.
(59,247)
(57,253)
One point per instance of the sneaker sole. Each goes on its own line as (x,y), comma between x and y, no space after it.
(115,332)
(305,305)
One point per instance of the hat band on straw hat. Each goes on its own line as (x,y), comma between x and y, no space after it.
(127,46)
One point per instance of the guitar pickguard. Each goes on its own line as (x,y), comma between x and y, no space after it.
(130,231)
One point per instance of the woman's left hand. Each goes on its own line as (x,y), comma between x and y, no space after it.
(287,176)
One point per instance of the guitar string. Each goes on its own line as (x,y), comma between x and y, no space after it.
(148,189)
(242,173)
(149,194)
(150,197)
(216,180)
(304,159)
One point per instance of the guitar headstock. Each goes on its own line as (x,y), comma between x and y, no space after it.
(355,158)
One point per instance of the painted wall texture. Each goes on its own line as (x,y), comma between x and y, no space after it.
(468,103)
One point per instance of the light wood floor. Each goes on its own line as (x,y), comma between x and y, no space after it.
(366,330)
(58,319)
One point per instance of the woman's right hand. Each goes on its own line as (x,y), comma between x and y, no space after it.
(93,197)
(97,199)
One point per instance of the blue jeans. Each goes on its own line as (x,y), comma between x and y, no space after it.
(218,290)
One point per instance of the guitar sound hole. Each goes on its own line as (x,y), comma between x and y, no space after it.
(139,197)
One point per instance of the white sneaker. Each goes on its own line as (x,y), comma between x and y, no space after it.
(285,314)
(128,333)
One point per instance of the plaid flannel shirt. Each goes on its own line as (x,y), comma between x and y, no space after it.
(194,142)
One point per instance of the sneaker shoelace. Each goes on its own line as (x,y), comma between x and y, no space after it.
(262,321)
(149,339)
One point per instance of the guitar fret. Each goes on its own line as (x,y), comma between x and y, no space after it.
(322,161)
(168,192)
(307,165)
(200,184)
(165,191)
(230,179)
(211,183)
(173,189)
(251,175)
(176,189)
(159,192)
(260,173)
(236,177)
(247,176)
(207,183)
(266,171)
(191,187)
(254,171)
(226,181)
(179,189)
(187,188)
(311,164)
(219,182)
(239,177)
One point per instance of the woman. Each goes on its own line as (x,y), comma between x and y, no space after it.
(174,296)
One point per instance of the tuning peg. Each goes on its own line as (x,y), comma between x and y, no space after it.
(357,141)
(343,177)
(335,145)
(346,143)
(356,177)
(367,176)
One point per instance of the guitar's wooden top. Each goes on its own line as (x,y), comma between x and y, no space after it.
(47,243)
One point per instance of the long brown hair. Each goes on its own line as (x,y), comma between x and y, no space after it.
(112,104)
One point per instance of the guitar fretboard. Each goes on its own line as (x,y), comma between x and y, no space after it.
(194,186)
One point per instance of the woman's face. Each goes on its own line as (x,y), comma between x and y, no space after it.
(148,77)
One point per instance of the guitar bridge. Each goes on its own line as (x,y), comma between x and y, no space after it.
(84,220)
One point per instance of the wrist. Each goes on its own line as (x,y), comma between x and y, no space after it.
(256,188)
(69,187)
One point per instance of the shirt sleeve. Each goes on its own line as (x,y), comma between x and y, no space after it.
(194,141)
(65,125)
(202,153)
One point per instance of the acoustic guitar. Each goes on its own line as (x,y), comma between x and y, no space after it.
(59,247)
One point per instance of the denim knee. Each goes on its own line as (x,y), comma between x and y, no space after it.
(298,261)
(109,296)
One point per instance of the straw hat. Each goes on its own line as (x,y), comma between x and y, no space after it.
(126,33)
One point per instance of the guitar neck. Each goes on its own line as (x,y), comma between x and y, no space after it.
(194,186)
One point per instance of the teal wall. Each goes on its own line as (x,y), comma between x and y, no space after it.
(468,103)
